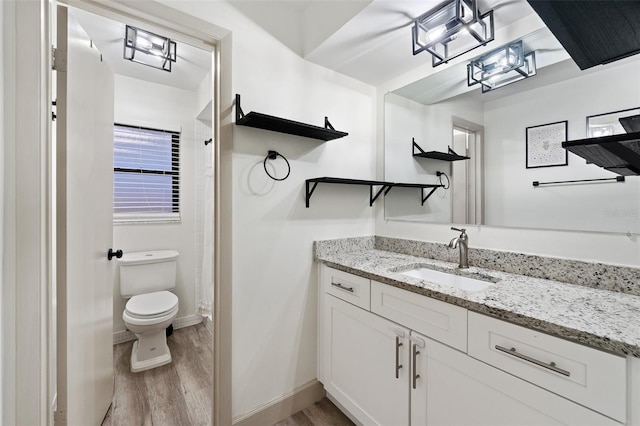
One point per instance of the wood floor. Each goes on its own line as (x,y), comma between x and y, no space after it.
(180,393)
(322,413)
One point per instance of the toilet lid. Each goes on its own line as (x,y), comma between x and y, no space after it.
(151,304)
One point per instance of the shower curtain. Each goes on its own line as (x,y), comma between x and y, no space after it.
(206,298)
(204,219)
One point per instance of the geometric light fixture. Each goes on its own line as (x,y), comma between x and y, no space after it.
(147,48)
(501,67)
(452,29)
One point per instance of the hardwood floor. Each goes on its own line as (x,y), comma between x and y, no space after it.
(322,413)
(180,393)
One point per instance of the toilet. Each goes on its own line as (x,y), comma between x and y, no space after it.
(145,279)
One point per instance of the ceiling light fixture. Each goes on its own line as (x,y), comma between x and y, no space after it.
(148,48)
(501,67)
(452,29)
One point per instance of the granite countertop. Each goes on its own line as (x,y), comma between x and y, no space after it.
(598,318)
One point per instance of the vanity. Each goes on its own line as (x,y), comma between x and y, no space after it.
(413,340)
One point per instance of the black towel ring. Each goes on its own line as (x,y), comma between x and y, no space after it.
(272,155)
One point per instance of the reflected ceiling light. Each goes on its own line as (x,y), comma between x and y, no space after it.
(501,67)
(452,29)
(148,48)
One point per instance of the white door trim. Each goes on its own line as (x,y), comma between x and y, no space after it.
(26,224)
(190,29)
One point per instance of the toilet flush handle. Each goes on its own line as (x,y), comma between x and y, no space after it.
(111,254)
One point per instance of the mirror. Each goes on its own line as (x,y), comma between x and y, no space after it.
(511,136)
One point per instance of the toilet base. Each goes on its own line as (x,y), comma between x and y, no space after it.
(150,351)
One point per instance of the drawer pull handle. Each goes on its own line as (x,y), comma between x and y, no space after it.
(342,287)
(416,376)
(398,365)
(551,366)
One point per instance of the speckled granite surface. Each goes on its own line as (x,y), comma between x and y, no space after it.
(608,320)
(591,274)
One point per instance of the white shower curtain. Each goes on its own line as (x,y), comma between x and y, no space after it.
(206,296)
(203,171)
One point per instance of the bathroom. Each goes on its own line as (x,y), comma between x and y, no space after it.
(273,278)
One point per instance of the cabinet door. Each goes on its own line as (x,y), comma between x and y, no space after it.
(366,363)
(455,389)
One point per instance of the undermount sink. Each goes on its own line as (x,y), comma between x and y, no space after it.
(450,280)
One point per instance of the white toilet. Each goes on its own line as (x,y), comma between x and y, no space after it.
(145,278)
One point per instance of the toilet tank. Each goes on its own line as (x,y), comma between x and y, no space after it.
(146,272)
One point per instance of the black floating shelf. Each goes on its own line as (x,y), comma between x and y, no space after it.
(283,125)
(617,153)
(630,124)
(422,186)
(437,155)
(385,187)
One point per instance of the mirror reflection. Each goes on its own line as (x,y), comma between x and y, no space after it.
(511,136)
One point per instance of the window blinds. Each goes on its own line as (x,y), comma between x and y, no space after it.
(146,179)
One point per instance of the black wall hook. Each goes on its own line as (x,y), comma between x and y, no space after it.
(208,141)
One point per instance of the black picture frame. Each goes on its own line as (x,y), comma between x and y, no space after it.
(544,145)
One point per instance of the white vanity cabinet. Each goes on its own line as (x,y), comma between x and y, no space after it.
(455,389)
(401,358)
(366,363)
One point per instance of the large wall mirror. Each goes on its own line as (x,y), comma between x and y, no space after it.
(510,136)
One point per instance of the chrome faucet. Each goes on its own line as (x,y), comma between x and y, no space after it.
(463,243)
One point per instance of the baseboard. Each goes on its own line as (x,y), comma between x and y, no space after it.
(283,407)
(187,321)
(126,335)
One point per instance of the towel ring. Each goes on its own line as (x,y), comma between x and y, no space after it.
(272,155)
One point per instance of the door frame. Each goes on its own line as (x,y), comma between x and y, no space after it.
(474,168)
(197,32)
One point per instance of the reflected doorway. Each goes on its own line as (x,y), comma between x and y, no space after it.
(467,176)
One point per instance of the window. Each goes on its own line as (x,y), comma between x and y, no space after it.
(146,174)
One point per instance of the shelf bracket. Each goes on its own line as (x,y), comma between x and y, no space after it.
(416,146)
(451,151)
(424,199)
(373,198)
(239,112)
(309,192)
(327,124)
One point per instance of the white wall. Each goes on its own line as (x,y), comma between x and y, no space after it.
(511,199)
(152,105)
(274,277)
(605,247)
(431,126)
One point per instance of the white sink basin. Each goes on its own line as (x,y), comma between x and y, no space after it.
(449,280)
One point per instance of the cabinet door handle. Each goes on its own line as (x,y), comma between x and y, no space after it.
(398,365)
(342,287)
(551,366)
(416,376)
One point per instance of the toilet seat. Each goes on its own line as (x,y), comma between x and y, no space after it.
(152,305)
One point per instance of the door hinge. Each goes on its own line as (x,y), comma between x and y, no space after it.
(53,58)
(60,417)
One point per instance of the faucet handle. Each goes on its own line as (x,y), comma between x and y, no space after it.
(462,230)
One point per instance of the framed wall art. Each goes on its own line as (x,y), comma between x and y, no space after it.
(544,145)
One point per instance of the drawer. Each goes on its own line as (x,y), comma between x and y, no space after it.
(437,320)
(348,287)
(590,377)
